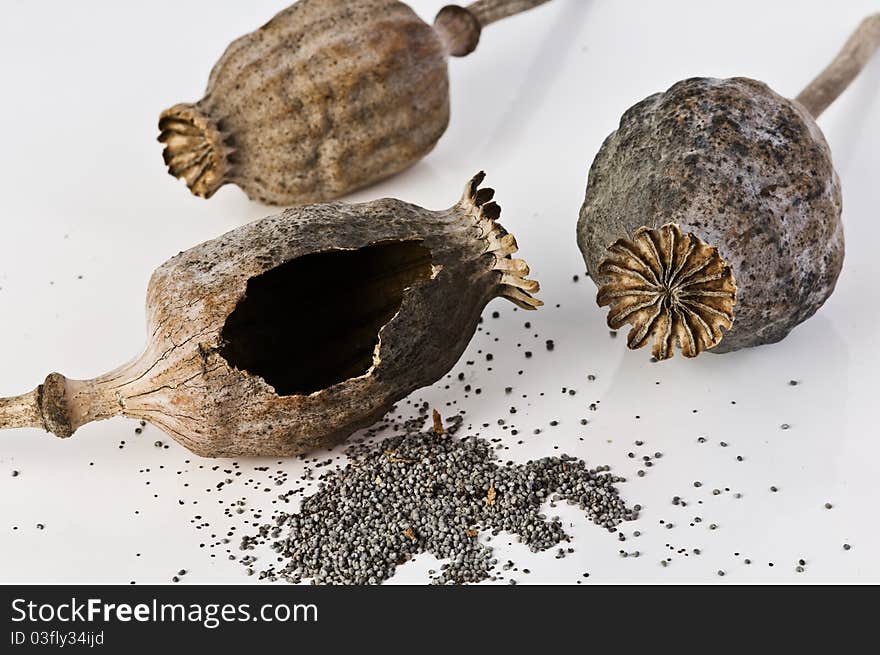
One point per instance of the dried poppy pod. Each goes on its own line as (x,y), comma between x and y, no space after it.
(294,331)
(715,206)
(327,97)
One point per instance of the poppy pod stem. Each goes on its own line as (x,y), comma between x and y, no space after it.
(460,27)
(489,11)
(60,405)
(21,411)
(848,63)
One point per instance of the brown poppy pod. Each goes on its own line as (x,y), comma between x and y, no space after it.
(291,332)
(327,97)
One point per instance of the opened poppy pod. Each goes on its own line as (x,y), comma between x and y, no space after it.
(327,97)
(291,332)
(712,214)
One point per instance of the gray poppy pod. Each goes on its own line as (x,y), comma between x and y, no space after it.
(712,214)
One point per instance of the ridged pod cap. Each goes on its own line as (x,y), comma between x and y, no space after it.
(292,332)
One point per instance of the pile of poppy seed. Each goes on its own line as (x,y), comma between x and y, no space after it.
(430,491)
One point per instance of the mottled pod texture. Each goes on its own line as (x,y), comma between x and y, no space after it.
(327,97)
(743,169)
(345,309)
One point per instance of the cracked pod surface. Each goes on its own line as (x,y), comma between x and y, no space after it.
(327,97)
(291,332)
(747,173)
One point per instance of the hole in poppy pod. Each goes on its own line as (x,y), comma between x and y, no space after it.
(314,321)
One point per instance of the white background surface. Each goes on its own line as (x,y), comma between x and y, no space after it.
(83,192)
